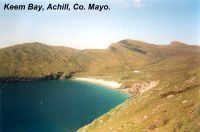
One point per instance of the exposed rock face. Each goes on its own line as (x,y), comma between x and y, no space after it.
(52,76)
(70,75)
(138,88)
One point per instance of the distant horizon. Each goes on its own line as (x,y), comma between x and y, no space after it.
(57,45)
(157,22)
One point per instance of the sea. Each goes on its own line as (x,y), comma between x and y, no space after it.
(54,105)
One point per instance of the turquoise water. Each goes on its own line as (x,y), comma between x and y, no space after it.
(53,106)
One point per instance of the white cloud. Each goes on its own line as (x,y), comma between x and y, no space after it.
(138,3)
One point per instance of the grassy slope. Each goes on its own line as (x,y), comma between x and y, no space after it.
(172,105)
(34,60)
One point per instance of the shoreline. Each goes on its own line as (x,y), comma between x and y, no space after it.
(109,84)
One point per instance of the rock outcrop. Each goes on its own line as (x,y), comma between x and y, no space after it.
(138,88)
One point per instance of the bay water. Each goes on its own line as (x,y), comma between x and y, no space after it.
(54,105)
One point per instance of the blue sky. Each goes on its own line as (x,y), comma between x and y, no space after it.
(154,21)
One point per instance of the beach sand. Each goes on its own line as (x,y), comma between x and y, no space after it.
(110,84)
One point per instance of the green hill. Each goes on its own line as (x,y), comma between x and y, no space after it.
(35,61)
(164,79)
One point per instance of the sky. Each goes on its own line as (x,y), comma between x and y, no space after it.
(153,21)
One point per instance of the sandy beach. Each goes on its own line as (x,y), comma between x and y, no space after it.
(110,84)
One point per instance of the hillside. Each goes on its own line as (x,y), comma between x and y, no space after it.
(163,79)
(34,61)
(119,61)
(172,105)
(166,91)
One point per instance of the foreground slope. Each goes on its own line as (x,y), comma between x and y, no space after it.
(166,93)
(173,105)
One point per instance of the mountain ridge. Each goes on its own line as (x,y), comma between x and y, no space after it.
(69,60)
